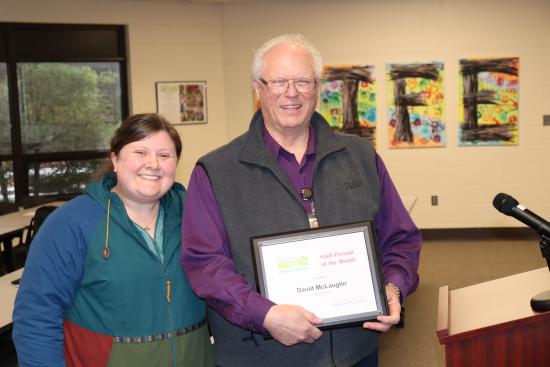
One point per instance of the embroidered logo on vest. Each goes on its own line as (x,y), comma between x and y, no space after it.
(352,185)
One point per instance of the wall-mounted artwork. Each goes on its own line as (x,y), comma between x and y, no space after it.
(416,105)
(347,99)
(182,102)
(488,104)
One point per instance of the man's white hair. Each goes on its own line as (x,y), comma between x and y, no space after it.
(294,39)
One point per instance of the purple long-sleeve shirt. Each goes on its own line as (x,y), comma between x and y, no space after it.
(206,255)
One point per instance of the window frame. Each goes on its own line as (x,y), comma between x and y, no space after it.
(61,43)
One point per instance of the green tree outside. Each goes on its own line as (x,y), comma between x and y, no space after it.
(64,107)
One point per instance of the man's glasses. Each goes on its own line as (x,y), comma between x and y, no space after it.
(280,86)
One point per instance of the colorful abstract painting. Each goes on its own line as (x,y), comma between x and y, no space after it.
(488,103)
(416,105)
(348,99)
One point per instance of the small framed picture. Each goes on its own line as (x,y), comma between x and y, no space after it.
(182,103)
(332,271)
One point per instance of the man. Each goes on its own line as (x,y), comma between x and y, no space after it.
(289,172)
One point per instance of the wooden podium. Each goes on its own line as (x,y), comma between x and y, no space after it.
(491,324)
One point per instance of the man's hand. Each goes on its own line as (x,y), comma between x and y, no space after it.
(291,325)
(386,322)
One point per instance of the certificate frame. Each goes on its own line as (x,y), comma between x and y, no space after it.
(332,271)
(182,102)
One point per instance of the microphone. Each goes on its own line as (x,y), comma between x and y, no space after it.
(506,204)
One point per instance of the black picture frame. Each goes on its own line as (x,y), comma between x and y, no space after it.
(323,270)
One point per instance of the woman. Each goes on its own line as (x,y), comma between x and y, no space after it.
(102,285)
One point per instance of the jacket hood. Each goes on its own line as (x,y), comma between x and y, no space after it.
(172,201)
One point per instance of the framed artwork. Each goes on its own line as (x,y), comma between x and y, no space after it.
(416,105)
(489,101)
(182,103)
(347,99)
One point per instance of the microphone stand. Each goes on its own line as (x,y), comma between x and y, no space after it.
(541,301)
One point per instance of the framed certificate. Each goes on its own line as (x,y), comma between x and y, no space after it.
(333,272)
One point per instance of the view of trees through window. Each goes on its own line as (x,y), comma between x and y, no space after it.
(60,104)
(5,137)
(6,166)
(61,177)
(68,106)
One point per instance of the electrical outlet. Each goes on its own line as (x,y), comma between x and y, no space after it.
(434,200)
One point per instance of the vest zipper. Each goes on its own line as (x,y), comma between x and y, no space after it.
(332,350)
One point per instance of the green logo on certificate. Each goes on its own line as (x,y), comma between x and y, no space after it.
(292,263)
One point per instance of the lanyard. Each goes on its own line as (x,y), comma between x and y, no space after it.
(307,195)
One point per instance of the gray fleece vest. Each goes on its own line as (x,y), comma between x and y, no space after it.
(257,198)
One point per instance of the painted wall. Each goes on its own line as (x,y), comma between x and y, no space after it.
(167,42)
(465,179)
(182,41)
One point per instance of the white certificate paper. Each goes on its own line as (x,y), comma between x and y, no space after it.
(331,271)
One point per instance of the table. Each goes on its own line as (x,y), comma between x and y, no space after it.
(7,295)
(13,225)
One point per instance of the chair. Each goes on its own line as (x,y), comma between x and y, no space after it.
(21,251)
(39,217)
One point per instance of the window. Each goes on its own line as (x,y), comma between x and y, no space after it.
(5,138)
(63,92)
(61,103)
(7,187)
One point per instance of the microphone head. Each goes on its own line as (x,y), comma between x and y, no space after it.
(504,203)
